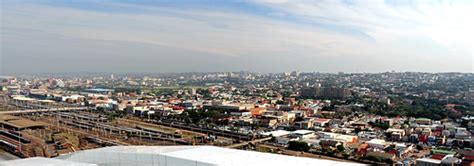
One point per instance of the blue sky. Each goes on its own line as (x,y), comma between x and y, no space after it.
(260,36)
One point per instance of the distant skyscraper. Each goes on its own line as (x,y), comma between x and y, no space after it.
(193,91)
(58,83)
(294,74)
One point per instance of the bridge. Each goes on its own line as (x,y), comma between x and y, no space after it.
(45,110)
(249,142)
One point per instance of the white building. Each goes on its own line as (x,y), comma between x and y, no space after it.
(377,143)
(304,134)
(338,137)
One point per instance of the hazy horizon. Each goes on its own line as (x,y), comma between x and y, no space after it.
(121,36)
(190,72)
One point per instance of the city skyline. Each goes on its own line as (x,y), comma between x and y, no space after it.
(256,36)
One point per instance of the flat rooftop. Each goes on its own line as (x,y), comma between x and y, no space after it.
(19,123)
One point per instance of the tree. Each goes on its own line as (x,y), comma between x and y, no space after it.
(419,147)
(389,161)
(281,102)
(340,148)
(298,146)
(357,130)
(388,134)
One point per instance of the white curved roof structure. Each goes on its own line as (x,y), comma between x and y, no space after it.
(188,156)
(42,161)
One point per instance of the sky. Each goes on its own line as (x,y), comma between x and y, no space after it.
(153,36)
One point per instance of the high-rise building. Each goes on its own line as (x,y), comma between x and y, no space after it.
(294,74)
(193,91)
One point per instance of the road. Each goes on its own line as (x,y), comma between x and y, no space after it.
(248,142)
(44,110)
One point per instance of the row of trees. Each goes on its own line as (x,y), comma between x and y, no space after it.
(419,107)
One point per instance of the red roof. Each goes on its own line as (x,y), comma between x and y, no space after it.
(321,120)
(470,158)
(437,156)
(177,107)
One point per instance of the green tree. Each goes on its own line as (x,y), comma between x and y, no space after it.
(340,148)
(298,146)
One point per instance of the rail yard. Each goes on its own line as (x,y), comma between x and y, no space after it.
(30,131)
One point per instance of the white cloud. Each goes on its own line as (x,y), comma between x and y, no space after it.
(237,34)
(447,22)
(218,33)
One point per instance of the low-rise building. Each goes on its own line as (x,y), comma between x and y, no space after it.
(321,122)
(377,143)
